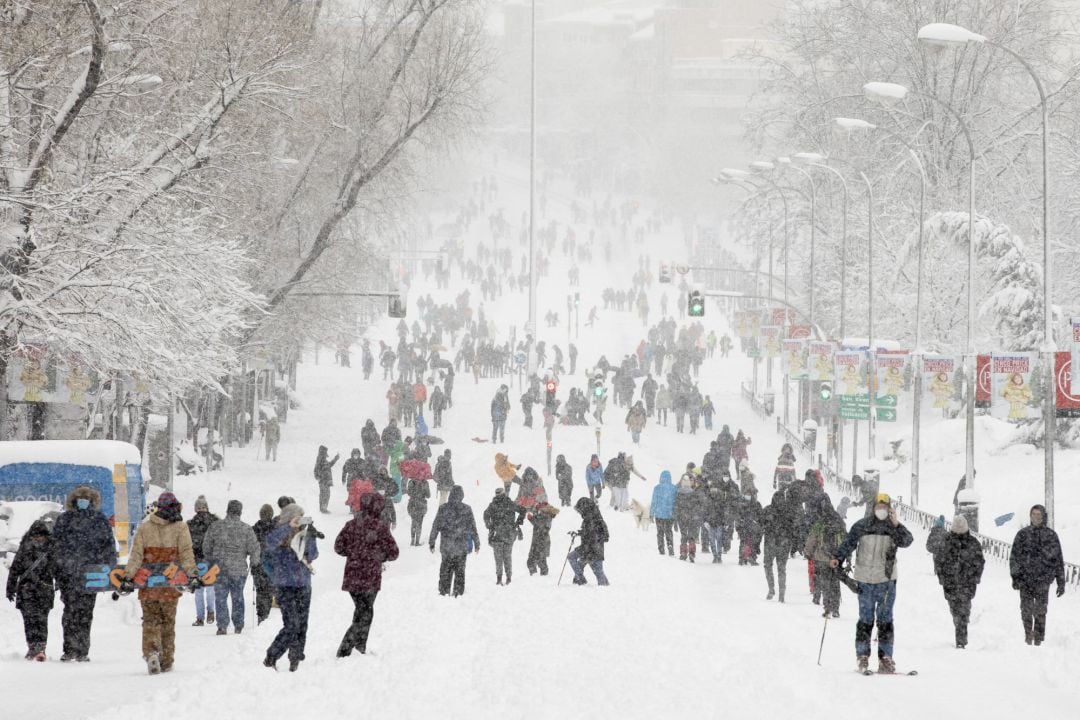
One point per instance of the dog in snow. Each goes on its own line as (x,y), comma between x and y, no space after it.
(641,515)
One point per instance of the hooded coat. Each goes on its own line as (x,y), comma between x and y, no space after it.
(503,519)
(366,543)
(594,472)
(958,564)
(1036,556)
(82,538)
(564,474)
(662,506)
(506,470)
(593,533)
(161,541)
(455,524)
(30,579)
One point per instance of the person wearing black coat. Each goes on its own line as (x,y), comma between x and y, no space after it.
(444,476)
(353,467)
(593,534)
(564,474)
(958,564)
(369,439)
(456,525)
(540,547)
(503,519)
(264,592)
(689,516)
(30,586)
(748,528)
(324,475)
(418,492)
(778,522)
(81,537)
(1036,562)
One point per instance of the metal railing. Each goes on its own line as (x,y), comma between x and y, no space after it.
(748,395)
(993,549)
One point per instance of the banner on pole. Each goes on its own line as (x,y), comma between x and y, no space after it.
(939,380)
(793,361)
(820,360)
(1074,347)
(852,384)
(781,316)
(1066,402)
(983,389)
(891,373)
(770,337)
(799,332)
(747,323)
(1013,394)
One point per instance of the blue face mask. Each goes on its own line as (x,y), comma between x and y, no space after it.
(83,503)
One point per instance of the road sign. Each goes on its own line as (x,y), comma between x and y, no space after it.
(888,401)
(886,414)
(854,407)
(519,358)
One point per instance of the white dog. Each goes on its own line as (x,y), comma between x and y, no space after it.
(641,515)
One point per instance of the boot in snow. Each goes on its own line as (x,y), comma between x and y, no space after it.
(864,663)
(153,663)
(886,666)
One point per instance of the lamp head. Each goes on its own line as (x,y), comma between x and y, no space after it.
(885,93)
(942,35)
(854,124)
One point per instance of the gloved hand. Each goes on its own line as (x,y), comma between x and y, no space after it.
(1061,589)
(195,584)
(127,587)
(1016,583)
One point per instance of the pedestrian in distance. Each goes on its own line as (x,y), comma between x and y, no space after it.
(593,535)
(366,543)
(232,545)
(500,411)
(594,477)
(161,538)
(1035,563)
(689,514)
(205,597)
(264,593)
(30,586)
(958,564)
(662,511)
(455,529)
(564,475)
(418,492)
(324,476)
(778,522)
(273,438)
(444,476)
(291,549)
(503,519)
(81,537)
(506,471)
(875,540)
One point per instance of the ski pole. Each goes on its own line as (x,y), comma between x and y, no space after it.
(567,559)
(822,646)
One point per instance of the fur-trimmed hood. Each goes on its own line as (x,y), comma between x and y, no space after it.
(83,491)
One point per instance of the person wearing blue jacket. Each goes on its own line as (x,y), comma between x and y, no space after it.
(594,477)
(662,511)
(291,578)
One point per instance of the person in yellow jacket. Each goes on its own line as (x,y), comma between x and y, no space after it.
(506,470)
(163,537)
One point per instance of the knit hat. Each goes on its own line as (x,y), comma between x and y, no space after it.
(168,507)
(200,504)
(283,501)
(290,511)
(266,512)
(959,525)
(234,508)
(940,522)
(500,491)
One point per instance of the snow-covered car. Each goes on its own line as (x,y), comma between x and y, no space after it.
(17,517)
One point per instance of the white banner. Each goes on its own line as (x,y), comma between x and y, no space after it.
(1012,395)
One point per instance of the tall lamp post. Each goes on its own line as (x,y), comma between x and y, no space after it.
(947,35)
(889,93)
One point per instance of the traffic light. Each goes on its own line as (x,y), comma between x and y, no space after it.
(695,304)
(825,390)
(665,273)
(577,299)
(396,306)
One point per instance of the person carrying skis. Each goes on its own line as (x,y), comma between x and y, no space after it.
(162,538)
(958,564)
(564,475)
(81,537)
(503,519)
(540,547)
(455,524)
(291,548)
(366,543)
(30,586)
(875,540)
(1036,562)
(662,511)
(593,534)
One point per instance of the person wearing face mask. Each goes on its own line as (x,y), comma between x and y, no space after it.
(875,540)
(30,586)
(81,538)
(1036,561)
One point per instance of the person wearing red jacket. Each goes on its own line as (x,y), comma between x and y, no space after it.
(366,543)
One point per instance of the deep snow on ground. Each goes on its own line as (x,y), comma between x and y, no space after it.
(666,639)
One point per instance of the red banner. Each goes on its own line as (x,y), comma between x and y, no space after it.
(1067,405)
(798,332)
(983,387)
(782,316)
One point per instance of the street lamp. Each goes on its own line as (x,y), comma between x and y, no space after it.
(817,160)
(857,124)
(891,93)
(786,161)
(947,35)
(761,167)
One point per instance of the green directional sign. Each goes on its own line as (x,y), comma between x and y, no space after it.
(854,407)
(887,401)
(886,414)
